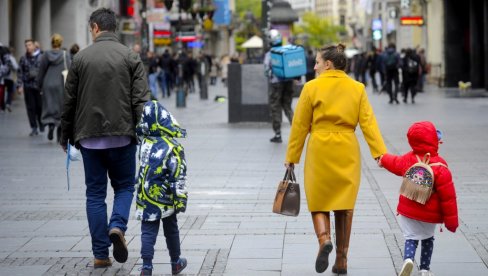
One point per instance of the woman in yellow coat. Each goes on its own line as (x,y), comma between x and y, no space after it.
(329,109)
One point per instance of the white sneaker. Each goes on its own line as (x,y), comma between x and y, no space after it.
(424,272)
(407,268)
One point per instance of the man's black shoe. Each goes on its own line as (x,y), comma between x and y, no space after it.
(276,139)
(33,132)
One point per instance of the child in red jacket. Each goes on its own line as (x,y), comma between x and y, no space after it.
(418,220)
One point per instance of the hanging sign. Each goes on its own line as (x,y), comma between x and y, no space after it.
(412,20)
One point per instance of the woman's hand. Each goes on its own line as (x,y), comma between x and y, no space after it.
(289,165)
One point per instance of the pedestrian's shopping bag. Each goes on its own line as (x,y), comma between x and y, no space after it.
(72,154)
(288,61)
(287,199)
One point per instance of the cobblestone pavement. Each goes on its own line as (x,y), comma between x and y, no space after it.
(228,228)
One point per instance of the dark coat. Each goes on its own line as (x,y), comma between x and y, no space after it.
(51,83)
(28,70)
(106,90)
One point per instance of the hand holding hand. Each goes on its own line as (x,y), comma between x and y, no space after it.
(289,165)
(378,161)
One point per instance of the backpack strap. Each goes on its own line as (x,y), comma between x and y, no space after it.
(425,160)
(439,164)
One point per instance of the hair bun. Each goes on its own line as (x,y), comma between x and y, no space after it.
(340,48)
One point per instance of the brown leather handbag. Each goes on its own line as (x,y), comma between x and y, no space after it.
(287,199)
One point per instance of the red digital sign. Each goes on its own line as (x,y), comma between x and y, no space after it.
(412,20)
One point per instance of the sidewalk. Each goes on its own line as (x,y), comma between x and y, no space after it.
(233,171)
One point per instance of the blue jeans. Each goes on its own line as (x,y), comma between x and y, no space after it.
(152,78)
(149,233)
(120,165)
(163,83)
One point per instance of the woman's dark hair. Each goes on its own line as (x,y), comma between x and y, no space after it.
(74,49)
(104,18)
(335,53)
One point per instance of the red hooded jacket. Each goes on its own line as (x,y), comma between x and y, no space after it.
(441,206)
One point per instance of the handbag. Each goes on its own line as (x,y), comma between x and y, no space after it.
(287,199)
(65,71)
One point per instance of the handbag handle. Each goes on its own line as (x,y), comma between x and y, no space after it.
(64,59)
(290,175)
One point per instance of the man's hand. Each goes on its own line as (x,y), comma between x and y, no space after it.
(20,90)
(64,147)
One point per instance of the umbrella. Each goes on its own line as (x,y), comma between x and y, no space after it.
(253,42)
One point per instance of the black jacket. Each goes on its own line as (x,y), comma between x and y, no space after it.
(105,92)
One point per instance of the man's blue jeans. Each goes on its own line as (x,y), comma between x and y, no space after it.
(120,165)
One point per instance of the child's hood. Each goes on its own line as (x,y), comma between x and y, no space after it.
(422,137)
(156,121)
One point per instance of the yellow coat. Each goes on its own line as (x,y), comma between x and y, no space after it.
(330,107)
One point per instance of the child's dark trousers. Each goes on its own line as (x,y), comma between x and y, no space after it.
(150,229)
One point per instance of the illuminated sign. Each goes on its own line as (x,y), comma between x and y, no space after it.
(376,24)
(377,35)
(412,20)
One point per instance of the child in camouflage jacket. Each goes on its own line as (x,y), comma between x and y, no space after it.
(161,192)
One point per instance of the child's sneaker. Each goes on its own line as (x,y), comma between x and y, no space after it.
(146,270)
(424,272)
(406,268)
(177,267)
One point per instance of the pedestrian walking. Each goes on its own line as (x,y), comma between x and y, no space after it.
(11,68)
(105,93)
(372,65)
(392,61)
(51,83)
(423,69)
(203,69)
(27,83)
(329,109)
(280,90)
(75,48)
(214,70)
(152,74)
(418,221)
(224,70)
(411,71)
(5,68)
(161,192)
(310,66)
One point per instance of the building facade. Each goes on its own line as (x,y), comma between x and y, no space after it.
(39,19)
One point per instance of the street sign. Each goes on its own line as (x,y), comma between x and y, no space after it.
(128,26)
(412,20)
(155,16)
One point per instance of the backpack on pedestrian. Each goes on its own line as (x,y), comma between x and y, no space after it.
(391,61)
(418,180)
(412,66)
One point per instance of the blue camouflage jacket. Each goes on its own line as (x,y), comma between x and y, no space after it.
(161,188)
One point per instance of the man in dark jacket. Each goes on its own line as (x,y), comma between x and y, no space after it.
(105,92)
(26,82)
(411,70)
(391,60)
